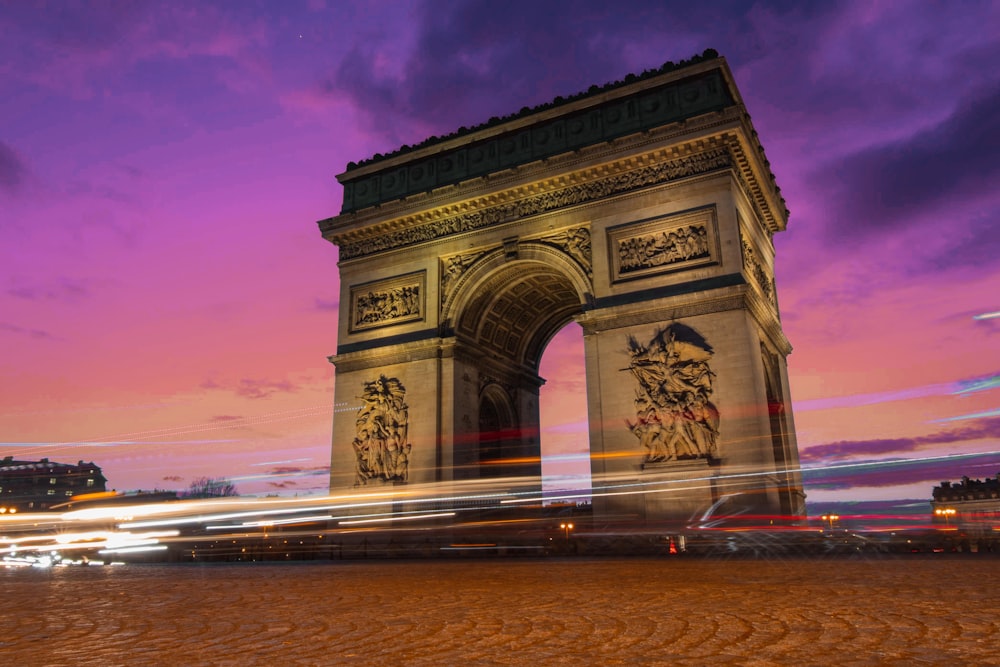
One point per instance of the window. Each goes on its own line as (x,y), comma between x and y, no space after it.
(90,482)
(69,493)
(52,480)
(52,492)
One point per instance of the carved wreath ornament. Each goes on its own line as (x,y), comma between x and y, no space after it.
(675,418)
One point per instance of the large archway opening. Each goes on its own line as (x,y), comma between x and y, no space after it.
(565,431)
(515,311)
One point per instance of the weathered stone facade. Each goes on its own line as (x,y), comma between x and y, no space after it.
(645,213)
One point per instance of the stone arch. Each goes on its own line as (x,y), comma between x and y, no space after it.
(512,302)
(500,317)
(498,431)
(626,210)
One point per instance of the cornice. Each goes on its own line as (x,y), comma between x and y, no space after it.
(676,139)
(758,184)
(555,193)
(672,308)
(388,355)
(742,297)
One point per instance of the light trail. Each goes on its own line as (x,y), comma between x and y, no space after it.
(132,550)
(974,415)
(397,518)
(980,384)
(126,529)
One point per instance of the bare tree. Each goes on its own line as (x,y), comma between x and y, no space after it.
(210,487)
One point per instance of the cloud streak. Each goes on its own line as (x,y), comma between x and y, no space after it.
(886,187)
(901,472)
(980,429)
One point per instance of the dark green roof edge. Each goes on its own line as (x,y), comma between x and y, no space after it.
(669,66)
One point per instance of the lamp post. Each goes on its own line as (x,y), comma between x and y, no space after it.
(830,518)
(947,513)
(566,527)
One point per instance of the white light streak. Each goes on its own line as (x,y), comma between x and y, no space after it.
(132,550)
(397,518)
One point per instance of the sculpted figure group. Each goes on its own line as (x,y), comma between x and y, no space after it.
(643,252)
(675,418)
(377,307)
(381,447)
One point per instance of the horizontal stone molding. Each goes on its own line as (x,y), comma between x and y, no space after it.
(670,308)
(379,354)
(664,244)
(592,185)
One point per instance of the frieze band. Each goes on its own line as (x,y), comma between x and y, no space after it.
(700,163)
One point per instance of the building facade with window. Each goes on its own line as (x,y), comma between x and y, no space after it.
(33,486)
(970,505)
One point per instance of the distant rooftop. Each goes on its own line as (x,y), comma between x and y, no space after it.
(9,463)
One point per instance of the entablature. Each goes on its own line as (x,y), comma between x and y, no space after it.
(545,187)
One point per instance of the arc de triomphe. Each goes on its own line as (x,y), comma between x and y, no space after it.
(644,210)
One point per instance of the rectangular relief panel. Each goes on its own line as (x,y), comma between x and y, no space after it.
(674,242)
(388,302)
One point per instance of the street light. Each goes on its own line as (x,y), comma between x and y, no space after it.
(566,528)
(947,513)
(830,518)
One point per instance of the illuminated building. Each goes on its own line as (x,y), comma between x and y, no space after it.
(971,505)
(27,486)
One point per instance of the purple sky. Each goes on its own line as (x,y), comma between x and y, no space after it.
(167,302)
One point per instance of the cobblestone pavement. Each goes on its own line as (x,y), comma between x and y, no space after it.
(886,611)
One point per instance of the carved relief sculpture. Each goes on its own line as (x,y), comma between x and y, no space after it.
(672,243)
(675,417)
(646,252)
(387,302)
(759,273)
(575,243)
(381,447)
(452,268)
(700,163)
